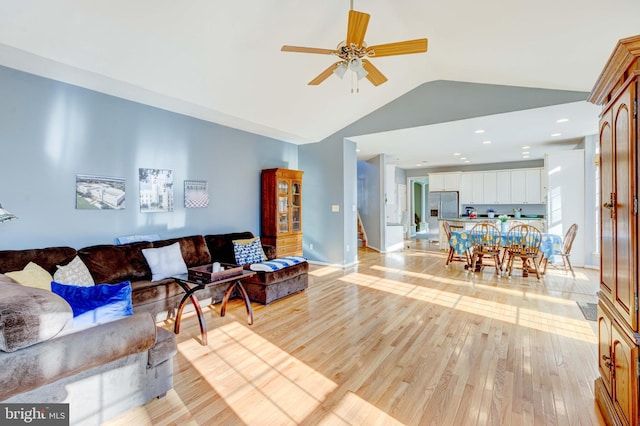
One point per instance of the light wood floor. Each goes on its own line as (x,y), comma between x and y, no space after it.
(396,340)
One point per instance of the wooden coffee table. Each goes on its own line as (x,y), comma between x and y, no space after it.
(191,286)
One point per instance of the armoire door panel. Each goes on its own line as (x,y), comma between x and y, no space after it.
(607,249)
(624,393)
(605,356)
(624,292)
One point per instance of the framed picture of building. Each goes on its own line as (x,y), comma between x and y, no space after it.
(100,192)
(196,194)
(156,190)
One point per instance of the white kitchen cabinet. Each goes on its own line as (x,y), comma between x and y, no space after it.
(503,187)
(518,187)
(490,188)
(526,187)
(471,188)
(444,181)
(533,187)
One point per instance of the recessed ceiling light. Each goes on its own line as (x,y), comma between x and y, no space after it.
(419,165)
(556,134)
(486,142)
(526,147)
(525,152)
(525,156)
(562,120)
(358,150)
(467,161)
(479,131)
(456,153)
(463,158)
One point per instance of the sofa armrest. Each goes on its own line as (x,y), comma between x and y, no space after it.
(270,251)
(46,362)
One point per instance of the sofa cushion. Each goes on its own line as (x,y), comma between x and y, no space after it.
(75,273)
(33,275)
(267,278)
(165,261)
(96,304)
(247,253)
(113,264)
(277,264)
(194,249)
(30,315)
(49,258)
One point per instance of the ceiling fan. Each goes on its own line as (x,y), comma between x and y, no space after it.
(353,52)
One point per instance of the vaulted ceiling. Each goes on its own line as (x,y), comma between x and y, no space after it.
(221,61)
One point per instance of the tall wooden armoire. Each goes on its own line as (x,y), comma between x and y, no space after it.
(282,211)
(616,390)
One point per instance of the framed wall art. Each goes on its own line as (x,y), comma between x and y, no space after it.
(156,190)
(100,192)
(196,194)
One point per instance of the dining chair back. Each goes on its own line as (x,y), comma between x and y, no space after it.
(486,242)
(567,243)
(523,242)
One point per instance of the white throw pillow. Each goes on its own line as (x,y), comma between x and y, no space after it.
(74,273)
(165,262)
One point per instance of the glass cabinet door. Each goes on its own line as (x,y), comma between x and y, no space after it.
(283,206)
(296,203)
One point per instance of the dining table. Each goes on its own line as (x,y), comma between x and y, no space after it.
(462,240)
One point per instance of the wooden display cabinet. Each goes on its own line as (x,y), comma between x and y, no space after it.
(282,210)
(616,390)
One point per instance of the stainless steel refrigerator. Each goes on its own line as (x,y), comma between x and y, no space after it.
(441,205)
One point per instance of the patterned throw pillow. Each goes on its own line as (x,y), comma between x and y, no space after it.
(33,275)
(75,273)
(248,252)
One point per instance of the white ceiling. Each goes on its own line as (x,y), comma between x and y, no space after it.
(221,61)
(514,136)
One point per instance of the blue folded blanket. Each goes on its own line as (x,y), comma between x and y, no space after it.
(277,264)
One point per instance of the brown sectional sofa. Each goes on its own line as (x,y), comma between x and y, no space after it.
(119,365)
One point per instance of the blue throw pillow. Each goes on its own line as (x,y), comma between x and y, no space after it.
(96,304)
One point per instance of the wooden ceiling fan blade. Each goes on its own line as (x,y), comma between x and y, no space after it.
(374,75)
(357,28)
(324,75)
(301,49)
(399,48)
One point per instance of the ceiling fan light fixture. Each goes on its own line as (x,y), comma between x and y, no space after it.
(355,64)
(361,73)
(340,69)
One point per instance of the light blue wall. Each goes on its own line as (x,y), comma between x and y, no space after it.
(324,186)
(51,131)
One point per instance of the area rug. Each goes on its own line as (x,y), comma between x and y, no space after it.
(589,310)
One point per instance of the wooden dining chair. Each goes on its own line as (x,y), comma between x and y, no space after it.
(523,242)
(567,243)
(453,256)
(486,243)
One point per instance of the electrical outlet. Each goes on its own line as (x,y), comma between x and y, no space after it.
(335,208)
(310,246)
(347,247)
